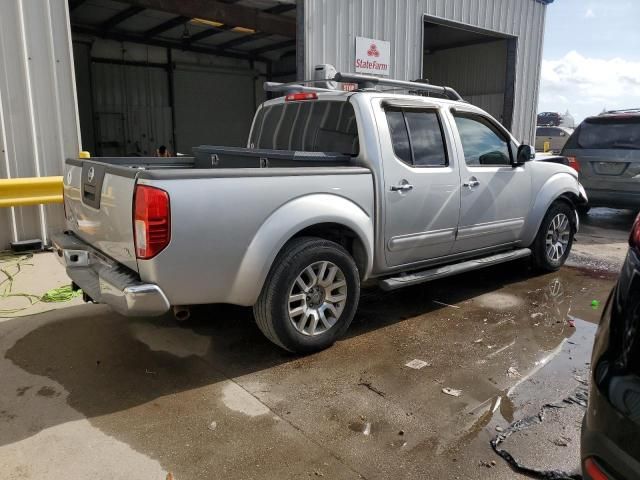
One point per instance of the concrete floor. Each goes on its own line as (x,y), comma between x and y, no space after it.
(89,394)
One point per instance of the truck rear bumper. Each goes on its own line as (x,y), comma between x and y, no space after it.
(106,281)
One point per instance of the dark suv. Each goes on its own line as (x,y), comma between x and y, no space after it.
(611,428)
(605,150)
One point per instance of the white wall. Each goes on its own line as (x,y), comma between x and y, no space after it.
(38,112)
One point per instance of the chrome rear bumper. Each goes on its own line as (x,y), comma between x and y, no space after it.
(106,281)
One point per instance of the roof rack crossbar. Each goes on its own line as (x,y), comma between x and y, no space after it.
(369,81)
(293,87)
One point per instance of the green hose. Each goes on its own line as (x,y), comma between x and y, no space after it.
(11,266)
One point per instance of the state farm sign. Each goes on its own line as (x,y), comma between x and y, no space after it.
(372,56)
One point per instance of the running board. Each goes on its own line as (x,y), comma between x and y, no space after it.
(406,280)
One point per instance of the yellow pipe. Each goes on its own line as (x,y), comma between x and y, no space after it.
(16,192)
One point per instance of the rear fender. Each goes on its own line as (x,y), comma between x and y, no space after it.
(559,185)
(286,222)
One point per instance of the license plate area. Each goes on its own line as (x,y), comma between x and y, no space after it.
(609,168)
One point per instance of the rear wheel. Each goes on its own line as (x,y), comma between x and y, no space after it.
(555,237)
(310,295)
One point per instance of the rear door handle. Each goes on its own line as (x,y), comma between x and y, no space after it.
(403,187)
(471,183)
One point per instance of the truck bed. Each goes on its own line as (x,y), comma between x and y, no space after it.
(100,192)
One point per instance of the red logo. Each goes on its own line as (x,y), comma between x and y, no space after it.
(373,51)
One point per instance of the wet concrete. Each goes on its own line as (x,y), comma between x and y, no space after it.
(353,410)
(89,394)
(602,241)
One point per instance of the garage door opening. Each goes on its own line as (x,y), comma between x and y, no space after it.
(479,64)
(152,73)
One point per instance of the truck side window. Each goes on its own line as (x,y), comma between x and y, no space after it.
(399,135)
(425,134)
(417,137)
(483,144)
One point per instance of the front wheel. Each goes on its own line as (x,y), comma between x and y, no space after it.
(555,237)
(310,295)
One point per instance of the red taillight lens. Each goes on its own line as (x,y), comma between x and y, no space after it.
(573,163)
(293,97)
(151,221)
(594,471)
(634,238)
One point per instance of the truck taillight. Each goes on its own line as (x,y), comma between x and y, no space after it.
(295,97)
(151,221)
(573,163)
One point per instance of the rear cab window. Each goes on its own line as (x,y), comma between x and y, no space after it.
(607,132)
(417,136)
(313,126)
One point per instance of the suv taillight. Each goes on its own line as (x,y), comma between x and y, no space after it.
(573,163)
(634,238)
(151,221)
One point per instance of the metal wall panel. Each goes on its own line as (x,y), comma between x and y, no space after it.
(131,109)
(332,25)
(213,106)
(38,107)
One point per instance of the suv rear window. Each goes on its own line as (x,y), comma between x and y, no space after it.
(612,133)
(315,126)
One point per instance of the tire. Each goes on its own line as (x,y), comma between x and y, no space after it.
(583,209)
(299,319)
(553,242)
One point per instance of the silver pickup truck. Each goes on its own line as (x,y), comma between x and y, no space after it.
(415,188)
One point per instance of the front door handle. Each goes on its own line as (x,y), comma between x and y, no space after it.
(472,182)
(403,187)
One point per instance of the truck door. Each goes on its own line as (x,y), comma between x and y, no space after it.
(495,195)
(421,184)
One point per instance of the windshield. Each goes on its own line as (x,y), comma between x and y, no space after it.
(623,133)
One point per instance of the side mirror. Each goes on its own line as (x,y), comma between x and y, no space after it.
(562,134)
(525,153)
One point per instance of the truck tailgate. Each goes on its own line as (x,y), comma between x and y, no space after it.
(99,207)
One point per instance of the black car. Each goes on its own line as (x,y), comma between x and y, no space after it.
(611,427)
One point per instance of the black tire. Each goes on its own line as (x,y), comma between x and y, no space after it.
(583,209)
(542,259)
(272,309)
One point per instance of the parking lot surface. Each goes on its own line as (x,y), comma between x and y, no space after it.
(90,394)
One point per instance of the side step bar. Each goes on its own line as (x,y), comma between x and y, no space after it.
(414,278)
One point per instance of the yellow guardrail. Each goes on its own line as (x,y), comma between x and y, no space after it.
(17,192)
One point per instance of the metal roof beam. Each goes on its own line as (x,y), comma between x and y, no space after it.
(246,39)
(228,14)
(274,46)
(208,33)
(280,8)
(168,25)
(121,17)
(121,36)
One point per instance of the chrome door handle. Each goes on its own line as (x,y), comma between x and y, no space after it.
(471,183)
(403,187)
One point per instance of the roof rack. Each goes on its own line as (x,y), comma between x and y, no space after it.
(369,81)
(364,82)
(294,87)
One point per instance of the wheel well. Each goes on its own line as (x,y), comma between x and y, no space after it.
(341,235)
(571,198)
